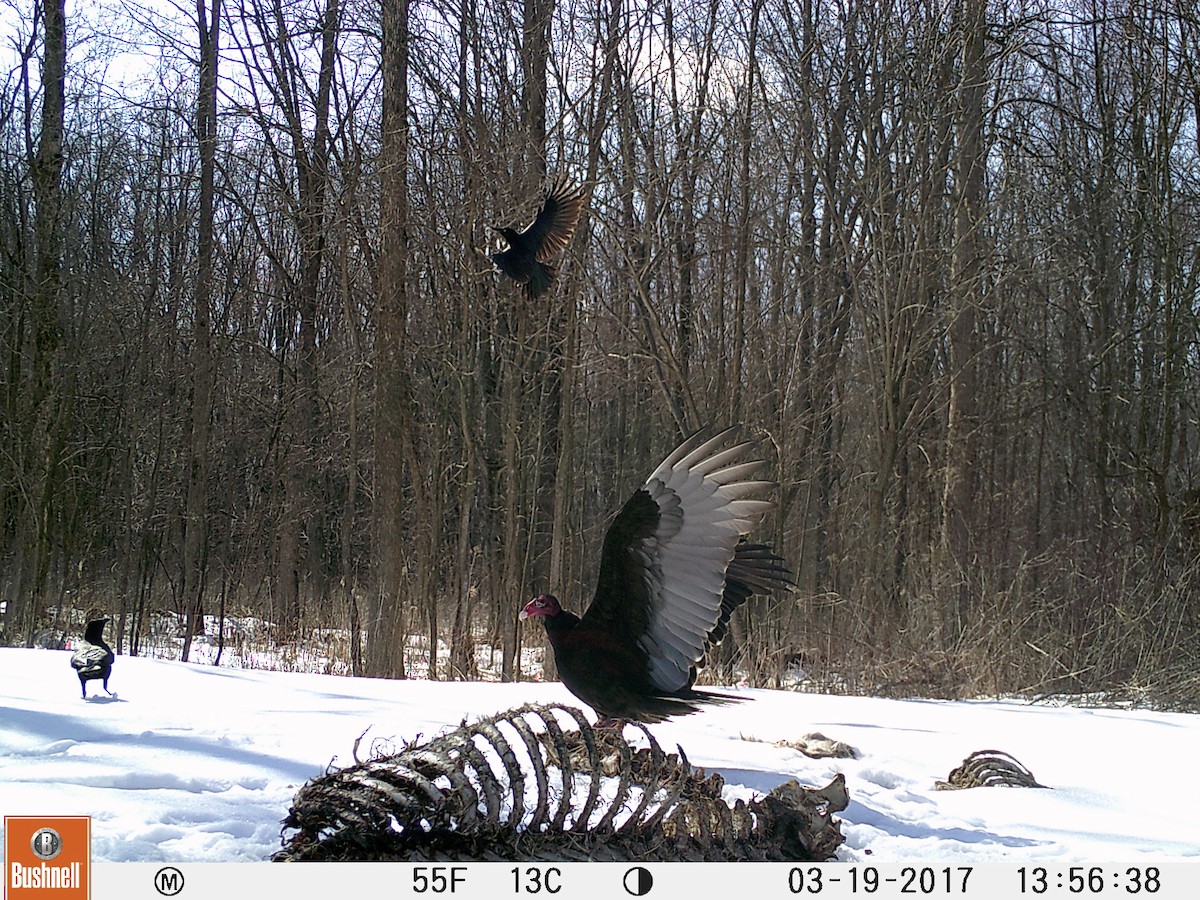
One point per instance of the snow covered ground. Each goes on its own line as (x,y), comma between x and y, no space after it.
(196,763)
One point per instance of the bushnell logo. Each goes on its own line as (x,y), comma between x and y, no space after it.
(46,844)
(47,857)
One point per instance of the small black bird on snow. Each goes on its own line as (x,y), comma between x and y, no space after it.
(529,252)
(93,658)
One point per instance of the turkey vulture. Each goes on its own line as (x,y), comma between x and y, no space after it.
(674,567)
(526,260)
(93,658)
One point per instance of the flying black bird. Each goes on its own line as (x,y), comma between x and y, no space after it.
(93,658)
(529,252)
(673,569)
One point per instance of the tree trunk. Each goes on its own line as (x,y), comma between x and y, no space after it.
(393,421)
(195,523)
(961,477)
(742,239)
(44,408)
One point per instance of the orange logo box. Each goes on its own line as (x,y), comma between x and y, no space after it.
(47,857)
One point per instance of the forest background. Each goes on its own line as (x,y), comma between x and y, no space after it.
(941,258)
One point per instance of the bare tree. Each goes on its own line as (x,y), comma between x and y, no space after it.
(393,399)
(195,522)
(40,402)
(960,489)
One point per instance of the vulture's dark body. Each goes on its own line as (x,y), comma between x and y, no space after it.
(609,676)
(520,263)
(526,260)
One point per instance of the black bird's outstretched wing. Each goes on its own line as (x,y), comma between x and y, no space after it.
(674,566)
(554,226)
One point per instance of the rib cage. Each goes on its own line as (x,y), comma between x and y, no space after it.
(989,768)
(521,786)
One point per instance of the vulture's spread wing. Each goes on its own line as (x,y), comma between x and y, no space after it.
(663,567)
(551,231)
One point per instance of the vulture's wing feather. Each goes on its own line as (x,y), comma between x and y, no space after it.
(554,226)
(663,569)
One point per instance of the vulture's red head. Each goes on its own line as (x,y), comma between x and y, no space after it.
(541,605)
